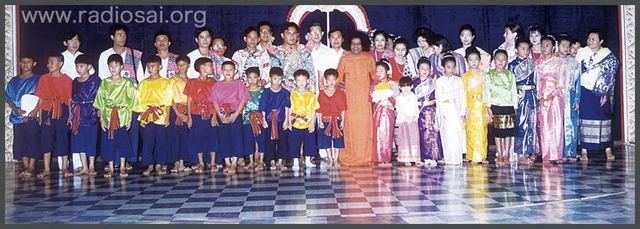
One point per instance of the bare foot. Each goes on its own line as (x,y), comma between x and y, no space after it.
(92,171)
(123,174)
(199,168)
(610,156)
(147,172)
(67,173)
(186,169)
(583,156)
(108,174)
(82,172)
(44,174)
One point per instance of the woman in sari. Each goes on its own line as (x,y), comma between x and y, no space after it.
(441,47)
(422,36)
(511,33)
(599,67)
(380,51)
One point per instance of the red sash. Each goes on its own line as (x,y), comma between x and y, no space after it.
(75,121)
(332,129)
(205,110)
(55,111)
(182,109)
(152,114)
(255,118)
(273,116)
(114,121)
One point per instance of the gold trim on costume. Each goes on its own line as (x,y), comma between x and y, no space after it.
(526,87)
(503,121)
(428,103)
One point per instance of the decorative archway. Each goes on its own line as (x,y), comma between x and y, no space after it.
(356,13)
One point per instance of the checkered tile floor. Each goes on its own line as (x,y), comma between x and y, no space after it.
(593,192)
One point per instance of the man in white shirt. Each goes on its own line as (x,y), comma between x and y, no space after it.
(318,51)
(265,30)
(132,57)
(72,42)
(332,57)
(203,39)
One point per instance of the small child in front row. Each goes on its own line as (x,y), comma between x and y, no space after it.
(302,119)
(178,132)
(203,125)
(450,112)
(229,97)
(275,103)
(333,104)
(407,118)
(155,96)
(383,98)
(253,121)
(425,87)
(502,100)
(26,130)
(477,116)
(54,91)
(115,100)
(83,116)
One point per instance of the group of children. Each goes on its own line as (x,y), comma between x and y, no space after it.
(442,111)
(440,118)
(195,121)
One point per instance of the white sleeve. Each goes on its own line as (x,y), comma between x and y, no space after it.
(103,68)
(140,72)
(462,107)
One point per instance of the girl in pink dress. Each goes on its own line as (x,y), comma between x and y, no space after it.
(383,98)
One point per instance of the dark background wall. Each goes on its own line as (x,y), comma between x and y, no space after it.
(229,22)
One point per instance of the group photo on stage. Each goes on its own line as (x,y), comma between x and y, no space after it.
(412,112)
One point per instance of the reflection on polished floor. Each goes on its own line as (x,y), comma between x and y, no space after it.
(593,192)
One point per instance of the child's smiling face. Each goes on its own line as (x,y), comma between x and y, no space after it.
(228,70)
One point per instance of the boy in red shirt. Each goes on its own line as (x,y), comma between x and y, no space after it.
(333,104)
(54,91)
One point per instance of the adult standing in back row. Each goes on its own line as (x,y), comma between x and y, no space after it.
(599,67)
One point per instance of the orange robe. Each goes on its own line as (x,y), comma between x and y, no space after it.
(357,72)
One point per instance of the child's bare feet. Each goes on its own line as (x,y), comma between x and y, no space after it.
(123,173)
(108,174)
(186,169)
(92,171)
(148,171)
(82,172)
(160,170)
(67,173)
(44,174)
(199,168)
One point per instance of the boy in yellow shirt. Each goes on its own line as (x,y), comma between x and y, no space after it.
(155,96)
(302,119)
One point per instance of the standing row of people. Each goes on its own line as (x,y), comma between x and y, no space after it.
(438,97)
